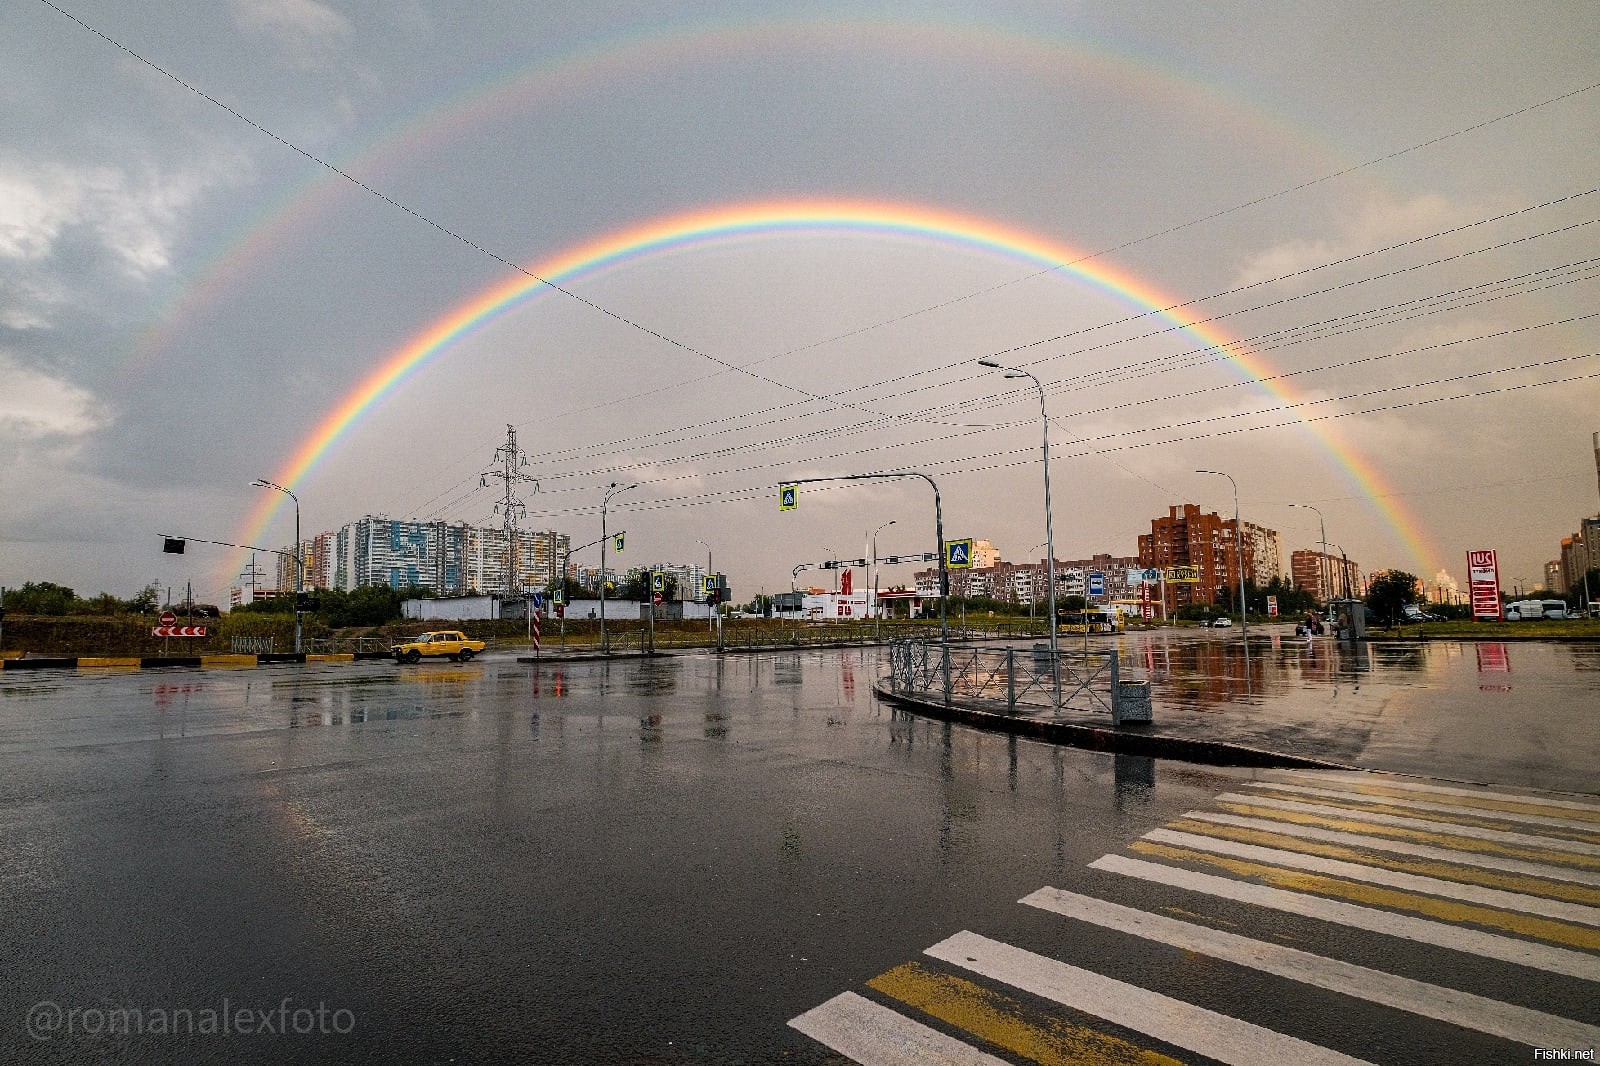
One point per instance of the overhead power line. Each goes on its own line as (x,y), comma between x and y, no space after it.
(725,364)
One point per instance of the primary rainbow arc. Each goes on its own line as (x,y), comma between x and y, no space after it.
(681,231)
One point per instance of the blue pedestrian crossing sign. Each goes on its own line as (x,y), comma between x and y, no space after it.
(708,583)
(958,554)
(617,541)
(786,497)
(658,582)
(558,597)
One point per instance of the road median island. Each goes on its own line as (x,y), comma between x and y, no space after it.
(1127,740)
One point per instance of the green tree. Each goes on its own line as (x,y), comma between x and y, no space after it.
(147,599)
(41,597)
(1388,592)
(369,605)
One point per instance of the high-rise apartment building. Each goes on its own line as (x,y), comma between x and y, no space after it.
(1325,576)
(377,550)
(452,558)
(1209,543)
(1580,553)
(508,562)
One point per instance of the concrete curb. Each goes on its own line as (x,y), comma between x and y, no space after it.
(161,662)
(1128,740)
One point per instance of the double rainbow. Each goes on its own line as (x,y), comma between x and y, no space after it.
(703,227)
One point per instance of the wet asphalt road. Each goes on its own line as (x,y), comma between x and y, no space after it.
(654,862)
(641,861)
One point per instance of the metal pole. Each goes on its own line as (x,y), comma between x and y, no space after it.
(612,490)
(299,562)
(877,630)
(938,526)
(1049,529)
(710,596)
(1238,532)
(1324,564)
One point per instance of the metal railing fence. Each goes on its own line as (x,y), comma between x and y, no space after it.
(1012,679)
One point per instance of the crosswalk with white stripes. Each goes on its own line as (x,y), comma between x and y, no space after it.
(1492,882)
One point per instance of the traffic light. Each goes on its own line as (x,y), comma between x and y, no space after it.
(173,545)
(306,603)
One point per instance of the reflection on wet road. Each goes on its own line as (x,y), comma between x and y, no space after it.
(667,861)
(1510,713)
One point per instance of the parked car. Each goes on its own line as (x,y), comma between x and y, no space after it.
(1222,623)
(448,643)
(1412,613)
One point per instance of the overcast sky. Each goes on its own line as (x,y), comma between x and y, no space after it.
(1386,208)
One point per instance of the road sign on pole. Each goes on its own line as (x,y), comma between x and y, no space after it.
(617,541)
(178,631)
(958,554)
(786,497)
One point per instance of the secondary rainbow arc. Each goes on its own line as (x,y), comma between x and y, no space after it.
(519,80)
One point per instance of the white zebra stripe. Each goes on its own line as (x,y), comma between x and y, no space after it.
(1162,1017)
(1380,875)
(1501,836)
(1424,805)
(1296,776)
(1521,1024)
(1401,847)
(872,1035)
(1539,956)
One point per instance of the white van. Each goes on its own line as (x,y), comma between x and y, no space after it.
(1525,610)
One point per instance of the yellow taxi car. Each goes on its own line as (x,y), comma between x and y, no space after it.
(446,643)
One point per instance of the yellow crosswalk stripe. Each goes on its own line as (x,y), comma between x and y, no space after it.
(1378,807)
(1443,838)
(1530,806)
(1007,1023)
(1445,870)
(1377,896)
(1429,807)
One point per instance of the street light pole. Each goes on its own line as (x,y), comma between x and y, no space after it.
(1049,524)
(1325,578)
(612,490)
(938,537)
(794,590)
(709,593)
(877,629)
(1344,567)
(299,562)
(1238,532)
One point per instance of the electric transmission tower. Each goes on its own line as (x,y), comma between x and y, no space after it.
(509,461)
(254,574)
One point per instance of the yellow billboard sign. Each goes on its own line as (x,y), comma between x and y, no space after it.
(1183,575)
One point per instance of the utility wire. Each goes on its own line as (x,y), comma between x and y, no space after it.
(725,364)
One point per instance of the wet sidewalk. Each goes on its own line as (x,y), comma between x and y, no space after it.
(1524,714)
